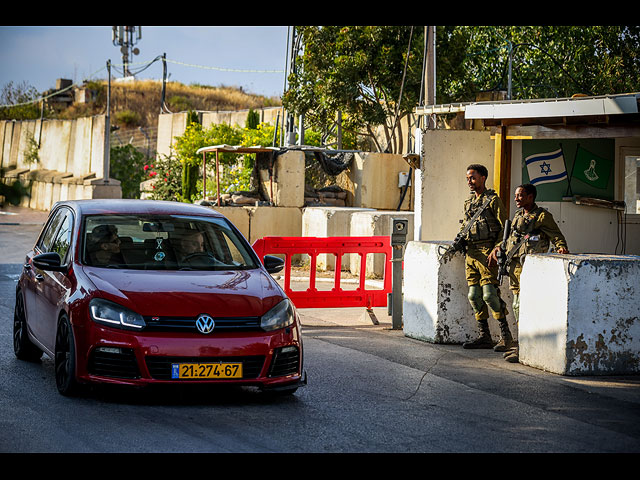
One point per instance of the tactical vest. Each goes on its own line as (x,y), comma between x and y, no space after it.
(524,238)
(486,229)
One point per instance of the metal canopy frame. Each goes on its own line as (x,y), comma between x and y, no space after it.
(226,149)
(256,149)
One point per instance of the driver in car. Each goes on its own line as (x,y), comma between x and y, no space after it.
(191,249)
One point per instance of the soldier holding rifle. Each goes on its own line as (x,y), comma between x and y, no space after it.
(533,230)
(481,232)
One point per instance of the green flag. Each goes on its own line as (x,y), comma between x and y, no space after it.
(592,169)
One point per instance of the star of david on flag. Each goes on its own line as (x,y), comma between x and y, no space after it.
(546,167)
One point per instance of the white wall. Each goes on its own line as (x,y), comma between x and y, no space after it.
(447,153)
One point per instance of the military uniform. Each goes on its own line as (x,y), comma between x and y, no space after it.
(482,238)
(532,232)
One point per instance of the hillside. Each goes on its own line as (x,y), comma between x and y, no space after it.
(135,106)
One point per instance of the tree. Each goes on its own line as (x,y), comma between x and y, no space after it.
(548,61)
(19,102)
(364,73)
(369,75)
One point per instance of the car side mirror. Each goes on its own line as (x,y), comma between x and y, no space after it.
(49,261)
(273,264)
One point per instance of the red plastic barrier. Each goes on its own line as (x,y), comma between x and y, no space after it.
(314,246)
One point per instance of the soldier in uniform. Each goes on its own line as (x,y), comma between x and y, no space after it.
(482,278)
(533,230)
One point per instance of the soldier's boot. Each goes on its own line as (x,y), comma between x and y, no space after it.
(512,356)
(483,340)
(506,340)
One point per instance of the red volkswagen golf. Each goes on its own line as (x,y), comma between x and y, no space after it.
(140,292)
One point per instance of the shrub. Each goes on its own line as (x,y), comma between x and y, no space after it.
(127,165)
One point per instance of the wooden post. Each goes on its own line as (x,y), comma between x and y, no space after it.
(502,167)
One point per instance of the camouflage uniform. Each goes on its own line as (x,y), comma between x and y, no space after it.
(481,239)
(534,232)
(531,232)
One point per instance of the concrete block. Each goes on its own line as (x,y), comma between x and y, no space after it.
(374,223)
(274,221)
(328,222)
(435,304)
(580,314)
(239,216)
(372,181)
(287,184)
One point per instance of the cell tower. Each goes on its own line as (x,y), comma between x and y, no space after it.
(126,38)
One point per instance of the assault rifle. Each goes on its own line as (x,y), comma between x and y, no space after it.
(501,254)
(460,242)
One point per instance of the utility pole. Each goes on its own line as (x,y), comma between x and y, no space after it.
(430,70)
(126,38)
(430,123)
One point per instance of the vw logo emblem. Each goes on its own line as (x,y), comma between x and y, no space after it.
(205,324)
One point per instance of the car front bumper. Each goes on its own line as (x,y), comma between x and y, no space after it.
(269,360)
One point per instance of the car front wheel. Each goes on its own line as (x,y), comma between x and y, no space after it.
(65,359)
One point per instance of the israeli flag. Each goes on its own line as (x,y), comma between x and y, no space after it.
(546,167)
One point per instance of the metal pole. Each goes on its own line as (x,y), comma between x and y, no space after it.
(399,228)
(204,175)
(107,130)
(510,64)
(218,177)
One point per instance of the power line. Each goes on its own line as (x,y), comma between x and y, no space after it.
(144,65)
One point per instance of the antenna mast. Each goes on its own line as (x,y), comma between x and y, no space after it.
(126,38)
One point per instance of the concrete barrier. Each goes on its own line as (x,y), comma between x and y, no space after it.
(70,161)
(373,223)
(328,222)
(580,314)
(435,304)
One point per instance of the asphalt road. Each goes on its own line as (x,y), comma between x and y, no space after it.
(370,390)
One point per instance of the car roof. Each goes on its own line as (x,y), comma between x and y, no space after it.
(132,206)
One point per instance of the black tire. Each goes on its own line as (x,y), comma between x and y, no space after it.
(65,359)
(22,345)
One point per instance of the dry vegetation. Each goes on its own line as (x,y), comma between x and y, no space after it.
(139,103)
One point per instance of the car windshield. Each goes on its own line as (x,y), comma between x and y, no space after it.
(170,242)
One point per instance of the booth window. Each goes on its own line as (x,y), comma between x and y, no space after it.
(632,184)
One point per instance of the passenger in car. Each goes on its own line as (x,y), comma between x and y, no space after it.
(103,246)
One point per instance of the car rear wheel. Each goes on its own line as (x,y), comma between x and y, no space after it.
(65,359)
(22,346)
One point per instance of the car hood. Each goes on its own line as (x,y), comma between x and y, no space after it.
(236,293)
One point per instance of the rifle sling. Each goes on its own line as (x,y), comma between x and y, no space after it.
(468,226)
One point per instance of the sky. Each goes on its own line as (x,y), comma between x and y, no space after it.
(251,57)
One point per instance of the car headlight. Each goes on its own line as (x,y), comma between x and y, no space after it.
(280,316)
(114,315)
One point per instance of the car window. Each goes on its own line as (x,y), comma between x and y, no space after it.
(62,240)
(168,242)
(50,231)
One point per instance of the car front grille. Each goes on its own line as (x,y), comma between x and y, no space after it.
(188,324)
(285,362)
(113,362)
(160,367)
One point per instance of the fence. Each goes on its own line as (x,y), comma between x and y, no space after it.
(338,246)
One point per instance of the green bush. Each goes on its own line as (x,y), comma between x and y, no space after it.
(127,118)
(127,165)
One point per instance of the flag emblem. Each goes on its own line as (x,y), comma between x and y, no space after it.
(592,169)
(546,167)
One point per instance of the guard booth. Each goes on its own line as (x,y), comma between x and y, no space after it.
(583,155)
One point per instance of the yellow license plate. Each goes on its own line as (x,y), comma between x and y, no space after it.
(206,370)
